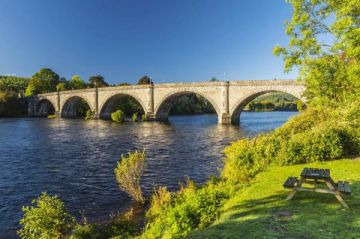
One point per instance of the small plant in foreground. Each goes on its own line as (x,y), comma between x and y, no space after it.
(48,218)
(128,173)
(118,116)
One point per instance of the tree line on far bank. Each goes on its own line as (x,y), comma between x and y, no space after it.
(13,89)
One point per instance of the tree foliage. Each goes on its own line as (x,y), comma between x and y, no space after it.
(11,92)
(43,81)
(98,80)
(145,80)
(76,83)
(191,104)
(325,45)
(214,79)
(13,83)
(46,219)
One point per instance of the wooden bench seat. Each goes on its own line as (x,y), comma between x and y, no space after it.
(290,182)
(344,187)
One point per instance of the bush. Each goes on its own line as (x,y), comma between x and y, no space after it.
(121,226)
(144,117)
(46,219)
(118,116)
(88,114)
(159,200)
(318,145)
(313,135)
(175,215)
(51,116)
(134,117)
(128,174)
(300,105)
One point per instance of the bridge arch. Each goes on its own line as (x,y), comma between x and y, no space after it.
(44,108)
(239,106)
(164,106)
(70,104)
(109,105)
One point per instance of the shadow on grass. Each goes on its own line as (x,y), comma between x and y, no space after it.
(307,216)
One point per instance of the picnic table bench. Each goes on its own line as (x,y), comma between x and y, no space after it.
(317,176)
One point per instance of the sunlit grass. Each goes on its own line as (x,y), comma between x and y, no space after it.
(261,211)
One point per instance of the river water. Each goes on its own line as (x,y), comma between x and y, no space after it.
(75,159)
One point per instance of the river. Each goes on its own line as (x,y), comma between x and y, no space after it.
(75,159)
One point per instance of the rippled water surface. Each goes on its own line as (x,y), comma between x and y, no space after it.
(75,159)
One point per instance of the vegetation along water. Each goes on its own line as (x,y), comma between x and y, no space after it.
(236,203)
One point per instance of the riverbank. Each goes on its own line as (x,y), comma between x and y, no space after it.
(261,211)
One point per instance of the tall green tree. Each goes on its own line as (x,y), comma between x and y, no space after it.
(43,81)
(145,80)
(98,80)
(325,45)
(13,83)
(61,86)
(76,83)
(11,92)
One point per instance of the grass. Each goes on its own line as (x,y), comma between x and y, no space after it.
(261,211)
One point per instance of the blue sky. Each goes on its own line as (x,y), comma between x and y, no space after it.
(169,40)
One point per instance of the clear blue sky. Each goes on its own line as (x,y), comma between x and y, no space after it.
(171,41)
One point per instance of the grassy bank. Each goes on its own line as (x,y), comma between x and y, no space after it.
(261,211)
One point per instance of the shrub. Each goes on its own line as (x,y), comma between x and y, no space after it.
(46,219)
(134,117)
(88,114)
(118,116)
(144,117)
(313,135)
(175,215)
(128,174)
(51,116)
(300,105)
(121,226)
(159,200)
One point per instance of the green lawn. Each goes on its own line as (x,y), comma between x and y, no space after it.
(260,211)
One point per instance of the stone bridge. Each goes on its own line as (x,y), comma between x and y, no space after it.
(227,98)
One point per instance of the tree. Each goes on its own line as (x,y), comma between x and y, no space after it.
(329,67)
(145,80)
(43,81)
(76,83)
(13,83)
(99,80)
(60,86)
(47,218)
(214,79)
(11,96)
(128,173)
(123,84)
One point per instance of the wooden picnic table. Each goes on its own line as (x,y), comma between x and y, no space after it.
(317,177)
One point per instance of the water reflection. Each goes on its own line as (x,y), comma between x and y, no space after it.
(75,159)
